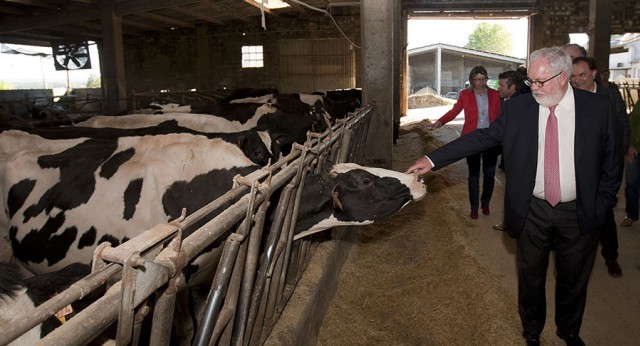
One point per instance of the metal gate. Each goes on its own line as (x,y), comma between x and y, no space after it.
(255,275)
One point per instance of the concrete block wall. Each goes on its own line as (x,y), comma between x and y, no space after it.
(172,61)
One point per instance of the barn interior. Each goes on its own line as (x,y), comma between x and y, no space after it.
(148,46)
(184,50)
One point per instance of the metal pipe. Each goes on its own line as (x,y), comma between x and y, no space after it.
(218,289)
(251,262)
(264,265)
(77,291)
(163,314)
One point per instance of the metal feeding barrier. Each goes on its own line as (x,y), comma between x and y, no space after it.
(256,273)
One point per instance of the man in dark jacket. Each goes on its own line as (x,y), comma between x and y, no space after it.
(583,77)
(563,171)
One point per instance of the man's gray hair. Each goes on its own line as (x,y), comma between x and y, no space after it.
(558,59)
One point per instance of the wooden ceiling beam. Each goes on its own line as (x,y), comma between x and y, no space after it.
(165,19)
(143,25)
(26,40)
(198,15)
(43,21)
(12,10)
(222,10)
(295,6)
(37,3)
(72,17)
(76,33)
(257,5)
(135,7)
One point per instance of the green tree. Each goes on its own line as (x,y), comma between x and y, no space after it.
(94,81)
(491,38)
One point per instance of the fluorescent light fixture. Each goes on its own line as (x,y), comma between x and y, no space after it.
(273,4)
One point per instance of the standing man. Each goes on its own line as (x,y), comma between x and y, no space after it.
(574,50)
(509,85)
(583,77)
(632,178)
(604,78)
(562,150)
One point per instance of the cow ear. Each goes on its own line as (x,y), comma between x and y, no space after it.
(241,140)
(282,138)
(336,194)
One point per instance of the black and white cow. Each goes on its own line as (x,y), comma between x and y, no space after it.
(242,93)
(161,108)
(258,146)
(243,120)
(63,197)
(341,102)
(349,194)
(19,294)
(224,118)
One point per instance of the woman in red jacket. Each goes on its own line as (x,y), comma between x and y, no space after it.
(481,107)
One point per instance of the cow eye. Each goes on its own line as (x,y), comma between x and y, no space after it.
(367,181)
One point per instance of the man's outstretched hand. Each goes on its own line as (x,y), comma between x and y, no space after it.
(422,166)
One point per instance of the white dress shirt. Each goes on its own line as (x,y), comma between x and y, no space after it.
(566,115)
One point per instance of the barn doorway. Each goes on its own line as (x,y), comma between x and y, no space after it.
(442,51)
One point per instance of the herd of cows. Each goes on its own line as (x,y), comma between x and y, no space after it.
(65,190)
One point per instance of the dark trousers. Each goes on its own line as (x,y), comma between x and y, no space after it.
(609,237)
(489,158)
(632,189)
(548,227)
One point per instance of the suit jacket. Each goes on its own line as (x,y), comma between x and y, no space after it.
(620,108)
(467,101)
(597,151)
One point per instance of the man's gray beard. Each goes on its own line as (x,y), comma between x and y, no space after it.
(546,100)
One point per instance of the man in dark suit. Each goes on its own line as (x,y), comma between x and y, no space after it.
(562,148)
(583,77)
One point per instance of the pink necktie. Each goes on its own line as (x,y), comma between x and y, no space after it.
(551,160)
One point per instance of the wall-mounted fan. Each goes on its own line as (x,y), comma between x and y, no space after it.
(71,56)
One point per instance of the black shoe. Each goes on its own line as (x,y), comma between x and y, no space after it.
(533,341)
(614,268)
(571,339)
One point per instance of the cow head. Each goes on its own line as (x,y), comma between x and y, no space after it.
(349,194)
(256,146)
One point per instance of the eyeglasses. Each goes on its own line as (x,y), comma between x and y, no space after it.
(539,83)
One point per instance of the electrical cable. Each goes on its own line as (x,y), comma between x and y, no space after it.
(330,16)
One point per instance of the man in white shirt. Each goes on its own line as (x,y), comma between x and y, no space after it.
(543,209)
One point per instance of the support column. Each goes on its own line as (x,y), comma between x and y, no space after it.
(439,70)
(599,31)
(114,83)
(204,57)
(378,59)
(399,71)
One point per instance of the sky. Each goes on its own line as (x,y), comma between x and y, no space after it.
(423,32)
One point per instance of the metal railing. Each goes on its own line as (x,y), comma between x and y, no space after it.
(630,91)
(256,273)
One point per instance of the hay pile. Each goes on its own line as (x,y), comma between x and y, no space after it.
(426,100)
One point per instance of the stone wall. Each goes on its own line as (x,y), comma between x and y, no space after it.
(556,19)
(210,57)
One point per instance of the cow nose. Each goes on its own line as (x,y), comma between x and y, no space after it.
(419,189)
